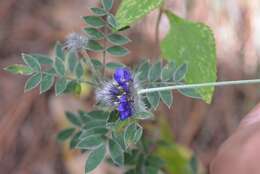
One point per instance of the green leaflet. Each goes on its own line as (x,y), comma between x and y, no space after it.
(19,69)
(31,62)
(117,154)
(194,44)
(60,86)
(65,134)
(95,158)
(46,82)
(32,82)
(107,4)
(130,11)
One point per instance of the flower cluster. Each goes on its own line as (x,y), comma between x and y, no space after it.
(120,93)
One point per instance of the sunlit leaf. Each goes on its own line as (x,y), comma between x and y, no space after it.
(194,44)
(130,11)
(19,69)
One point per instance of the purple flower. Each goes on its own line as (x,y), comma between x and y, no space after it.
(122,76)
(121,93)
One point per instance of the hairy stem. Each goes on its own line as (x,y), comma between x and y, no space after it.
(198,85)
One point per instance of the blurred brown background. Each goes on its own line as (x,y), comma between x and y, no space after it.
(29,122)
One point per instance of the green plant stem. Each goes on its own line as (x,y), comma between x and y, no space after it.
(198,85)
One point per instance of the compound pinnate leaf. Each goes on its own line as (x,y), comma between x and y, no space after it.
(93,131)
(94,46)
(43,59)
(94,21)
(194,44)
(95,123)
(143,70)
(90,142)
(132,134)
(143,115)
(65,134)
(71,60)
(116,152)
(107,4)
(73,118)
(117,39)
(153,99)
(190,92)
(180,72)
(32,82)
(154,71)
(112,21)
(130,11)
(114,65)
(93,33)
(59,66)
(167,71)
(96,63)
(166,97)
(79,71)
(99,115)
(46,82)
(95,158)
(75,140)
(59,51)
(117,51)
(31,62)
(19,69)
(60,86)
(98,11)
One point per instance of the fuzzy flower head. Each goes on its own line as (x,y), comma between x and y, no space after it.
(121,93)
(75,42)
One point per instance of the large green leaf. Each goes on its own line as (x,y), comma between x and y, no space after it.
(194,44)
(130,11)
